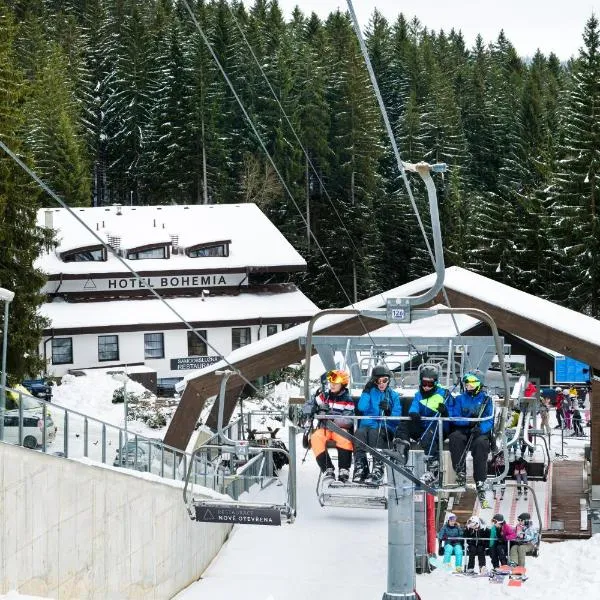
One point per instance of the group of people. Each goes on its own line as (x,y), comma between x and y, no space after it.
(568,414)
(505,544)
(468,430)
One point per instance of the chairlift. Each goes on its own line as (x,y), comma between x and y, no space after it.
(248,464)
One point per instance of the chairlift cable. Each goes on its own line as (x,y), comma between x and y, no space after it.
(392,139)
(269,157)
(109,249)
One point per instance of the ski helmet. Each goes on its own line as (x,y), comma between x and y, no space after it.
(474,522)
(338,376)
(429,373)
(524,517)
(380,371)
(450,516)
(472,383)
(499,518)
(558,390)
(428,377)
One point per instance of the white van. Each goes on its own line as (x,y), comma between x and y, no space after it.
(33,419)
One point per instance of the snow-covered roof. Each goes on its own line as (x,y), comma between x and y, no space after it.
(116,313)
(457,279)
(255,241)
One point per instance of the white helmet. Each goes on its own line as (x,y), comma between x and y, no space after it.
(558,390)
(474,522)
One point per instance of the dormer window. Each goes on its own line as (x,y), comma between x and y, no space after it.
(220,248)
(87,254)
(145,252)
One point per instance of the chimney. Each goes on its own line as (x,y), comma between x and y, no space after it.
(48,219)
(118,208)
(174,243)
(114,241)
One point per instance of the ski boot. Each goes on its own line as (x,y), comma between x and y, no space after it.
(361,472)
(461,479)
(328,475)
(376,477)
(480,487)
(344,475)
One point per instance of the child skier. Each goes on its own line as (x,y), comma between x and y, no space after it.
(520,473)
(477,542)
(527,538)
(338,403)
(450,535)
(500,534)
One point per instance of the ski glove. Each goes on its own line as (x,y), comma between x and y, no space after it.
(384,406)
(324,409)
(414,416)
(443,410)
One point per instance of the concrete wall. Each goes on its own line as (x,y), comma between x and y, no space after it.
(131,349)
(71,530)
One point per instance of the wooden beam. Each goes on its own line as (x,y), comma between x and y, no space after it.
(199,389)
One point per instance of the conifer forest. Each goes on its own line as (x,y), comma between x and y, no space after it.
(122,101)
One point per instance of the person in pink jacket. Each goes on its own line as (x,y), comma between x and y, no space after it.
(501,533)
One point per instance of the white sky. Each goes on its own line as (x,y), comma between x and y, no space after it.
(529,24)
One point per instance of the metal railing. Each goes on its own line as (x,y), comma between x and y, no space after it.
(72,434)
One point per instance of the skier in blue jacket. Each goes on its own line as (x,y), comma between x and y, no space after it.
(429,401)
(377,399)
(471,435)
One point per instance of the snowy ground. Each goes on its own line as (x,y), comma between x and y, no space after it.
(334,550)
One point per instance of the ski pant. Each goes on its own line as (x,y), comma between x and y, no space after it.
(427,436)
(480,448)
(521,478)
(498,554)
(476,552)
(559,417)
(577,428)
(545,422)
(377,437)
(457,550)
(318,443)
(518,553)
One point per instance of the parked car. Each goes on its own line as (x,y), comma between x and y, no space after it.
(165,386)
(144,455)
(39,387)
(33,423)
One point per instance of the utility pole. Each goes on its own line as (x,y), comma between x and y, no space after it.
(354,283)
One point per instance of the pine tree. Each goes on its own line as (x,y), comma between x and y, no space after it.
(576,184)
(21,241)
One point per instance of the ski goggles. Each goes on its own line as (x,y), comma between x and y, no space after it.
(382,380)
(337,377)
(427,383)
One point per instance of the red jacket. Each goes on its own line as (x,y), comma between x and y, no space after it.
(530,390)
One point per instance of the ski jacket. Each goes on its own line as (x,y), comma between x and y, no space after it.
(507,532)
(476,538)
(527,535)
(368,405)
(468,406)
(449,534)
(520,467)
(340,406)
(428,406)
(530,390)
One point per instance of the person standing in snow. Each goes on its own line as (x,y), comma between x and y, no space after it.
(450,534)
(377,399)
(544,415)
(526,540)
(477,535)
(337,403)
(559,407)
(466,435)
(429,401)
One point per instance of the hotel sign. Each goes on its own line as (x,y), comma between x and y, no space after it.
(97,283)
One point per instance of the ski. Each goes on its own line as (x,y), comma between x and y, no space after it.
(510,576)
(383,458)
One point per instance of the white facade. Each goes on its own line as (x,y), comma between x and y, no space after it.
(206,263)
(131,349)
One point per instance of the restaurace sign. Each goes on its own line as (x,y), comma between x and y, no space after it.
(94,283)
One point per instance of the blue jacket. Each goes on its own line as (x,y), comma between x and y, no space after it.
(449,534)
(469,406)
(428,407)
(368,405)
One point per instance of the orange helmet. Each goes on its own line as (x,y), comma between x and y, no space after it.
(338,376)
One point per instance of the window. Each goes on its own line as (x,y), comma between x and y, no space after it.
(215,248)
(92,254)
(287,326)
(160,252)
(240,336)
(154,345)
(62,351)
(271,329)
(197,346)
(108,347)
